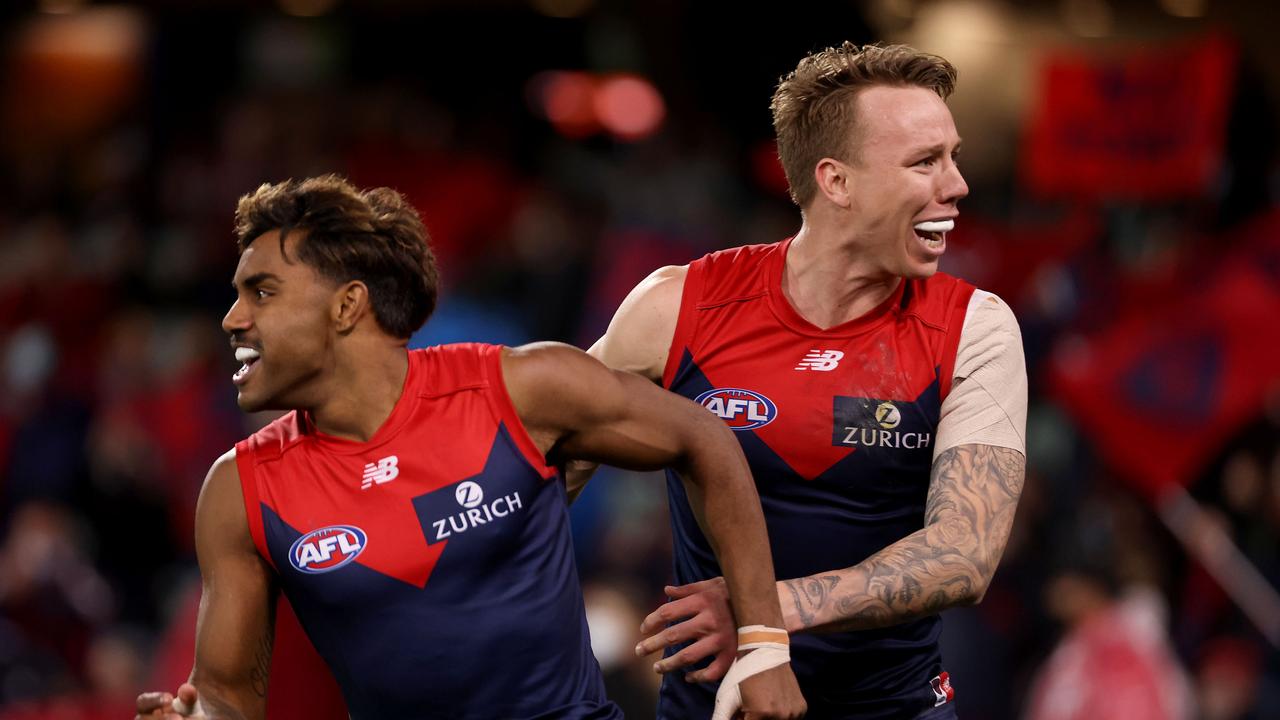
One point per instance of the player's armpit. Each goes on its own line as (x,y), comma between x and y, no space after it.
(235,629)
(577,473)
(973,494)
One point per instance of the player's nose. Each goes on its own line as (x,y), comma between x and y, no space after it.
(953,188)
(236,319)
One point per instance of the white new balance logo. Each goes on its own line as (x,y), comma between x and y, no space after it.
(823,360)
(383,471)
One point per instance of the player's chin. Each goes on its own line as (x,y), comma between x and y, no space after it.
(918,269)
(251,402)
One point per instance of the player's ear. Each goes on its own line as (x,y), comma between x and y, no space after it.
(835,182)
(350,303)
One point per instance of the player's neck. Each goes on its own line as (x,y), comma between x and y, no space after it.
(361,392)
(830,280)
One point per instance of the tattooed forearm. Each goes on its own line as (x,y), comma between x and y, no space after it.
(261,670)
(973,493)
(810,594)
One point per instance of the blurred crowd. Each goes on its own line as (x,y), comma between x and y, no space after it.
(117,186)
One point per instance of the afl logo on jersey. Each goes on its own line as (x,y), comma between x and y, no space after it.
(740,409)
(328,548)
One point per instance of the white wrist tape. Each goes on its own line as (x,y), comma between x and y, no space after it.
(770,647)
(751,637)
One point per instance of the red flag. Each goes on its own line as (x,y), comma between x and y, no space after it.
(1008,258)
(1165,386)
(1149,124)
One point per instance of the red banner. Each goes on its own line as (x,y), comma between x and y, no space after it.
(1147,125)
(1166,386)
(1009,257)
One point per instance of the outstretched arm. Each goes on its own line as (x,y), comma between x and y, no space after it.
(236,624)
(577,409)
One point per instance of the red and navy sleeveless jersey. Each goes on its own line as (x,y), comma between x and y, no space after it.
(838,426)
(431,566)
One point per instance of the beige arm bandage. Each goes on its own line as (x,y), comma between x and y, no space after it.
(987,404)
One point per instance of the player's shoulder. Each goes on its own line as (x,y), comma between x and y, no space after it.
(222,524)
(221,484)
(988,313)
(939,286)
(224,468)
(735,273)
(741,256)
(659,288)
(939,300)
(271,440)
(446,369)
(740,259)
(543,364)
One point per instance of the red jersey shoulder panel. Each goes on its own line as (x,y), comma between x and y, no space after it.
(505,410)
(734,274)
(717,278)
(265,445)
(447,369)
(940,302)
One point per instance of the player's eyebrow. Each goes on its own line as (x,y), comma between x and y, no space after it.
(255,280)
(938,148)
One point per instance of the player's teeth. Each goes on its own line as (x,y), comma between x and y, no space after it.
(936,226)
(246,355)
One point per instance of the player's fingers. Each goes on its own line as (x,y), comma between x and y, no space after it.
(187,702)
(669,612)
(150,701)
(671,635)
(721,660)
(713,672)
(680,591)
(687,656)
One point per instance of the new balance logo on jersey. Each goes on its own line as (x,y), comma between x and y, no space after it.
(821,360)
(383,471)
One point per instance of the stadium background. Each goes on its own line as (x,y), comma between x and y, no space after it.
(1122,161)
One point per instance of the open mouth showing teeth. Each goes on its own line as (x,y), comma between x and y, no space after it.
(933,233)
(249,357)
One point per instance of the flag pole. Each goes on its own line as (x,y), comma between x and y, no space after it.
(1205,540)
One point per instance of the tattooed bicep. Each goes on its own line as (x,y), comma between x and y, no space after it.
(975,473)
(973,493)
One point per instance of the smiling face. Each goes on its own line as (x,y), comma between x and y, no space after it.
(281,326)
(903,173)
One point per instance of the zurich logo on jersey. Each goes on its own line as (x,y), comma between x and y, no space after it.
(740,409)
(326,549)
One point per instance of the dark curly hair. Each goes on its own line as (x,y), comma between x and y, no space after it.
(374,236)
